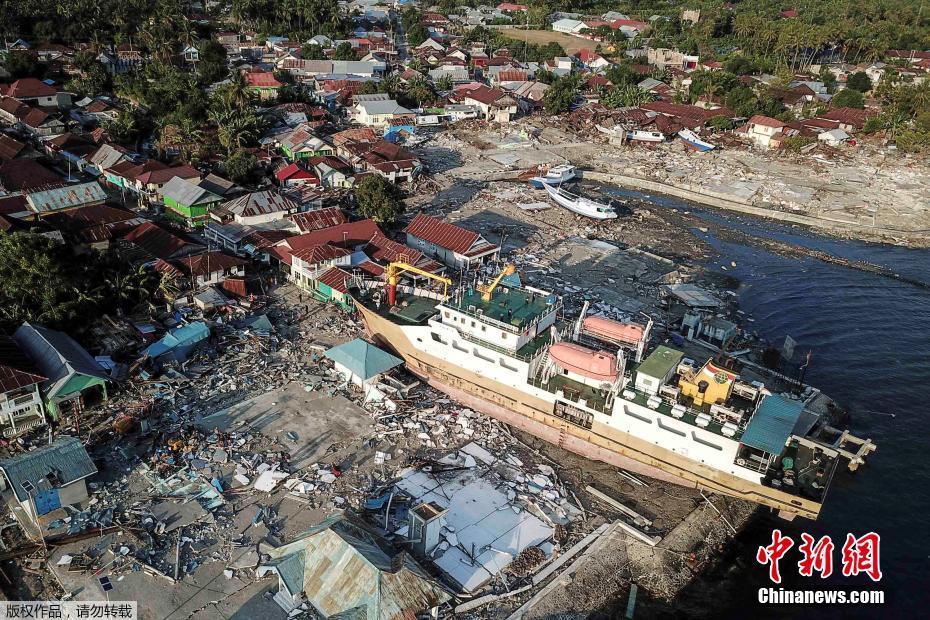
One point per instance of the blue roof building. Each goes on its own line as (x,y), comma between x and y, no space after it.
(772,423)
(179,342)
(45,480)
(362,362)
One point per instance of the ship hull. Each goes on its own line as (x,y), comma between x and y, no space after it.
(603,443)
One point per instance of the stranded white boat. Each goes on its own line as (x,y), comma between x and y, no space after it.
(641,135)
(555,176)
(691,139)
(580,204)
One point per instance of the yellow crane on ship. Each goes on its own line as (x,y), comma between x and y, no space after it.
(395,268)
(488,291)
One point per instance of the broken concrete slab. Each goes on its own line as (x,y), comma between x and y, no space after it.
(317,419)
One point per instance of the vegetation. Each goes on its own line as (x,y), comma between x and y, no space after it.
(379,199)
(561,94)
(519,50)
(625,95)
(848,98)
(46,282)
(240,166)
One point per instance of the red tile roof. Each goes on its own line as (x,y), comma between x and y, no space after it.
(441,234)
(16,369)
(319,219)
(9,147)
(13,204)
(27,174)
(371,268)
(485,95)
(293,172)
(336,279)
(163,175)
(167,269)
(386,250)
(765,121)
(848,116)
(512,75)
(262,80)
(157,241)
(349,234)
(631,23)
(320,253)
(27,88)
(209,262)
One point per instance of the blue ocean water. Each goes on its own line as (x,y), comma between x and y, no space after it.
(870,341)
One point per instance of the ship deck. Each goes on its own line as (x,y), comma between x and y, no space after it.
(410,309)
(574,391)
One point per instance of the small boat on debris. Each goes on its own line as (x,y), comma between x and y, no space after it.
(641,135)
(555,176)
(580,204)
(691,139)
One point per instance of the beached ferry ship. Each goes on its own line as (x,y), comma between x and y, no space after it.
(590,385)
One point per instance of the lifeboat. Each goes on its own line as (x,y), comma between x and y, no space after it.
(614,331)
(597,365)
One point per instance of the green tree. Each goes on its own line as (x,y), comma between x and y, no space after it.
(40,281)
(417,34)
(418,89)
(312,51)
(344,51)
(848,98)
(561,94)
(125,127)
(212,66)
(379,199)
(240,166)
(23,64)
(859,81)
(444,83)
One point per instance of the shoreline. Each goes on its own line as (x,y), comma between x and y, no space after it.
(707,198)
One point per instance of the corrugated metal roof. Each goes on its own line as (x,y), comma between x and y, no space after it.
(66,197)
(319,219)
(65,458)
(56,354)
(16,369)
(345,573)
(772,424)
(335,279)
(442,234)
(259,203)
(363,359)
(186,193)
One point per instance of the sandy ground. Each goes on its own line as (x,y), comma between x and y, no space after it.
(540,37)
(860,192)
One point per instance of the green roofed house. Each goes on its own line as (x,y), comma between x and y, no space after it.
(345,570)
(75,379)
(657,369)
(188,202)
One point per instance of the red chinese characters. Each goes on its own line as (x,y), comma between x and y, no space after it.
(816,556)
(860,555)
(774,552)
